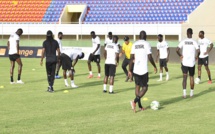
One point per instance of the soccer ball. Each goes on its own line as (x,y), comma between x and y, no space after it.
(155,105)
(197,80)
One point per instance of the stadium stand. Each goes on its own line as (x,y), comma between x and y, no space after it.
(23,10)
(108,11)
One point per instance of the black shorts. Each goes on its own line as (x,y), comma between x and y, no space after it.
(95,58)
(141,80)
(163,63)
(203,61)
(14,57)
(110,70)
(186,69)
(65,61)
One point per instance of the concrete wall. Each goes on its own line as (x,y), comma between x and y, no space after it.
(202,19)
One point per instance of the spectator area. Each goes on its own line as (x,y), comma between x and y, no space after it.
(23,10)
(114,11)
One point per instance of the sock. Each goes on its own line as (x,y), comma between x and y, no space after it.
(72,82)
(104,87)
(167,74)
(161,76)
(19,76)
(191,92)
(57,73)
(209,77)
(99,75)
(11,78)
(139,103)
(199,77)
(91,73)
(136,99)
(184,92)
(65,80)
(111,88)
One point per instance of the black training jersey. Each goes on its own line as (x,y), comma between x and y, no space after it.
(50,50)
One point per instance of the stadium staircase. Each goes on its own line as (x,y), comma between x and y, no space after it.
(100,11)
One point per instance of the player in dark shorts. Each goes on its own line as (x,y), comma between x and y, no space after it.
(141,53)
(203,59)
(163,56)
(190,52)
(68,59)
(94,55)
(111,55)
(13,47)
(50,46)
(58,66)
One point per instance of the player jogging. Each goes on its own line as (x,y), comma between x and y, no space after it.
(68,59)
(13,47)
(163,54)
(95,55)
(140,53)
(188,58)
(60,37)
(126,49)
(111,55)
(203,57)
(50,46)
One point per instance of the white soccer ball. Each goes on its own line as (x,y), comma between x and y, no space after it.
(197,80)
(155,105)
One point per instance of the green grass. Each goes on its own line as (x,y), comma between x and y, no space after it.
(29,109)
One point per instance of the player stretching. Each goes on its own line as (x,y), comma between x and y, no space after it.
(60,37)
(188,58)
(95,55)
(67,57)
(163,52)
(13,47)
(140,53)
(111,55)
(203,57)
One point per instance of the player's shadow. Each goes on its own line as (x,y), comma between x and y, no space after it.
(124,90)
(119,74)
(93,83)
(36,80)
(177,99)
(86,74)
(178,77)
(157,84)
(211,89)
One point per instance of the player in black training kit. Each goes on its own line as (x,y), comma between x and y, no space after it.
(50,46)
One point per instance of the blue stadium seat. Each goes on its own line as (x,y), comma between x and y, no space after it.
(130,10)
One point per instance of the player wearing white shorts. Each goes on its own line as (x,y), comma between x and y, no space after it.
(95,55)
(140,54)
(66,58)
(163,54)
(188,58)
(13,47)
(203,59)
(60,37)
(111,55)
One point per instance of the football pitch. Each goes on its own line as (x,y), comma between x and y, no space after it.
(29,109)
